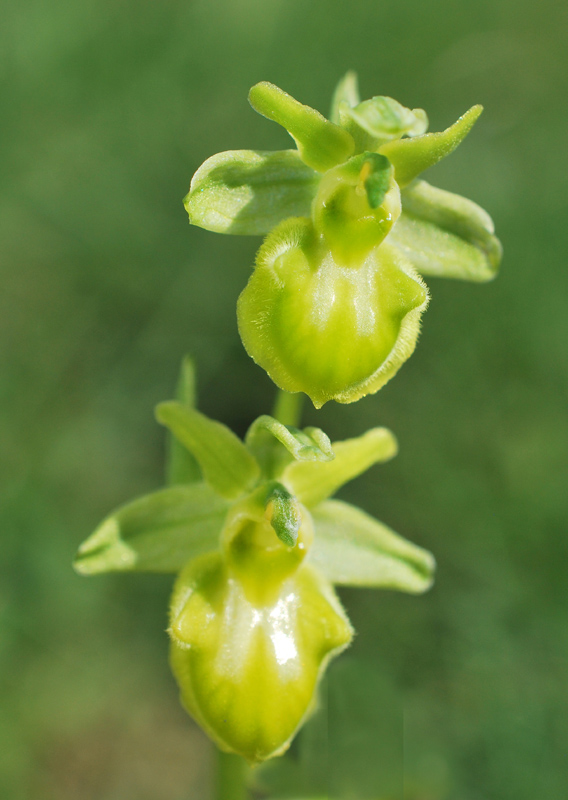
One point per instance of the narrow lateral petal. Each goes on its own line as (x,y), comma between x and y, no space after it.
(412,156)
(315,481)
(321,144)
(226,463)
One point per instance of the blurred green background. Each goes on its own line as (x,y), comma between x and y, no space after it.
(106,110)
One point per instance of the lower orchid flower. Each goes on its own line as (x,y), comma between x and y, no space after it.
(258,545)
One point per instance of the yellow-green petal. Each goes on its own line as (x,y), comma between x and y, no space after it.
(321,144)
(226,463)
(316,481)
(412,156)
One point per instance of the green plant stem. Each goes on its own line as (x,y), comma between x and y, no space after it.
(288,408)
(231,783)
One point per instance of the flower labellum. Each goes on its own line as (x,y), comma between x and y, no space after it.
(321,327)
(252,629)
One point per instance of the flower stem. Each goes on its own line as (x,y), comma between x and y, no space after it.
(288,408)
(231,777)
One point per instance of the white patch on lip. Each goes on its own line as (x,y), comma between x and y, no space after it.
(356,283)
(241,624)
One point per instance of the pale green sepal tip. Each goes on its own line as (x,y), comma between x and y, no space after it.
(321,144)
(346,91)
(318,441)
(105,551)
(313,482)
(159,532)
(226,463)
(283,513)
(352,548)
(412,156)
(181,464)
(446,235)
(312,444)
(248,192)
(186,391)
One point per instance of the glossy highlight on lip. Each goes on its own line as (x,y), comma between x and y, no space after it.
(248,669)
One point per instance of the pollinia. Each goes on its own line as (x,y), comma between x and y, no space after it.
(332,309)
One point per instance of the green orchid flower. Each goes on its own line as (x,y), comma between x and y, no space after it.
(258,544)
(334,304)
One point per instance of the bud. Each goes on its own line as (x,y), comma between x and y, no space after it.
(252,629)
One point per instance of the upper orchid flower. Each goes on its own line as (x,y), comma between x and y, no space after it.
(333,306)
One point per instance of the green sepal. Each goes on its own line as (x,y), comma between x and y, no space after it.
(226,463)
(377,121)
(313,482)
(248,192)
(412,156)
(181,464)
(346,91)
(446,235)
(321,144)
(266,433)
(281,510)
(159,532)
(352,548)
